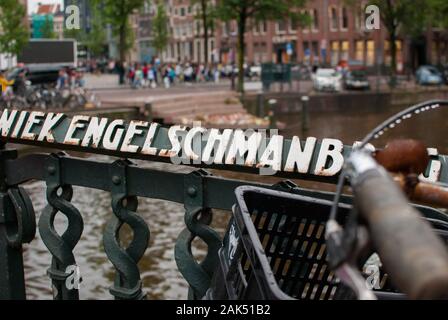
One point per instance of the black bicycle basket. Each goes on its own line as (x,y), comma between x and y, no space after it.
(275,249)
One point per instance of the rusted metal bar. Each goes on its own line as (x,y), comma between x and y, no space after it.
(423,192)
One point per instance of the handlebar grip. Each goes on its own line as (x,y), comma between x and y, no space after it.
(413,255)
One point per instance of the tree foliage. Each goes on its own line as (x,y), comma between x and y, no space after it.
(96,40)
(14,34)
(160,29)
(439,13)
(206,16)
(408,17)
(243,11)
(47,28)
(117,13)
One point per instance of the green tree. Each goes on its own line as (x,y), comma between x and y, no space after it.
(14,34)
(244,11)
(160,29)
(402,16)
(96,40)
(117,13)
(47,29)
(439,13)
(439,19)
(205,15)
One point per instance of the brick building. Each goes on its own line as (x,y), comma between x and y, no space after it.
(337,32)
(187,35)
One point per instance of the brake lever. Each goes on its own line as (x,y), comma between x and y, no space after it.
(342,252)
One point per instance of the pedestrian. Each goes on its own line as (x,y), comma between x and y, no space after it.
(19,86)
(138,77)
(131,74)
(121,72)
(61,82)
(4,83)
(171,74)
(145,71)
(166,79)
(217,74)
(151,77)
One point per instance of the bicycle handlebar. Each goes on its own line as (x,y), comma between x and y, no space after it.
(411,252)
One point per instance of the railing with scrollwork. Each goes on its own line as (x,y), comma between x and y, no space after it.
(199,191)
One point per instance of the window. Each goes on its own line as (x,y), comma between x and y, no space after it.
(260,27)
(315,49)
(225,29)
(281,26)
(263,27)
(334,53)
(333,19)
(306,51)
(293,24)
(370,55)
(182,12)
(198,27)
(344,50)
(399,54)
(260,52)
(359,50)
(314,19)
(344,18)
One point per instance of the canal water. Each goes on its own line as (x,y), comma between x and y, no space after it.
(160,277)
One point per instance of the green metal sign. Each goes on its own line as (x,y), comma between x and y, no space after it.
(255,151)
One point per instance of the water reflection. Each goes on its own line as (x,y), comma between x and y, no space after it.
(352,124)
(160,277)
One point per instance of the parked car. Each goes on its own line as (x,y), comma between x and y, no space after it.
(444,71)
(356,80)
(429,75)
(327,79)
(255,71)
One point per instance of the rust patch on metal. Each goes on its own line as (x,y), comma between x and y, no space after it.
(404,156)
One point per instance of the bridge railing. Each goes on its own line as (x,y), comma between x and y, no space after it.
(200,192)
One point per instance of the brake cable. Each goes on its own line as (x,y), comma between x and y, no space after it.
(339,245)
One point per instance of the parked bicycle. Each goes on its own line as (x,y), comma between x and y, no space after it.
(49,98)
(375,244)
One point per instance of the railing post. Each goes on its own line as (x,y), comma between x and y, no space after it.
(197,219)
(127,284)
(14,206)
(63,271)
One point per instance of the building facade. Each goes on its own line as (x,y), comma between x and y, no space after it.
(47,14)
(337,32)
(186,41)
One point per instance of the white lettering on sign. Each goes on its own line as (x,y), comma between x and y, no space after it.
(77,123)
(19,124)
(272,156)
(51,121)
(135,129)
(298,157)
(6,121)
(94,132)
(435,167)
(147,146)
(34,119)
(198,145)
(244,148)
(113,135)
(330,149)
(217,144)
(192,145)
